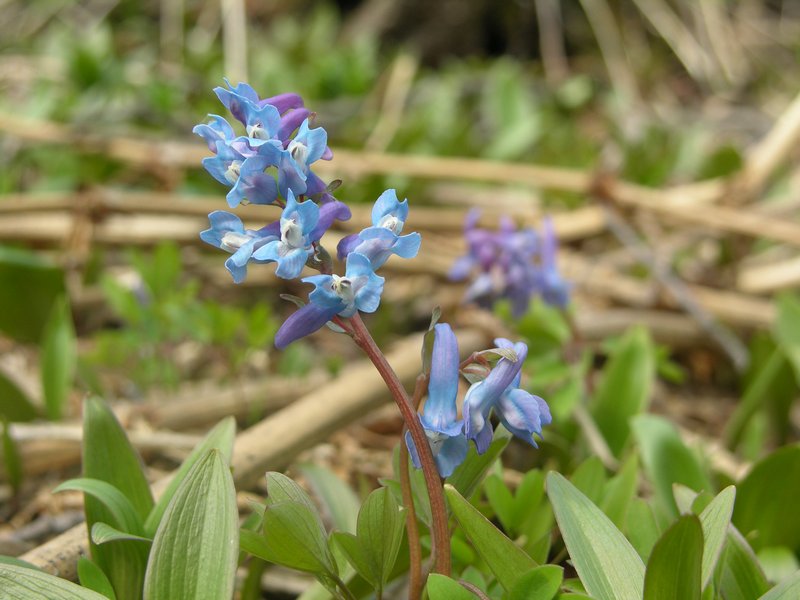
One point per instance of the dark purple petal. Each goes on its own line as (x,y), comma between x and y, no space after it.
(303,322)
(346,245)
(291,121)
(283,102)
(328,213)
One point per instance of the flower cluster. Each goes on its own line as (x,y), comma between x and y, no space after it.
(498,392)
(512,264)
(271,164)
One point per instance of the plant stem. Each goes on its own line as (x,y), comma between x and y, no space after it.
(440,531)
(412,527)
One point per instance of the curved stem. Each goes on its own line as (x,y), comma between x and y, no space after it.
(440,531)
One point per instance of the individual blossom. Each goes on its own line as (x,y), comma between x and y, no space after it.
(439,418)
(294,165)
(359,290)
(227,232)
(383,239)
(522,413)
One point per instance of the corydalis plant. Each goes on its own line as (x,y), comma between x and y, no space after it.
(510,263)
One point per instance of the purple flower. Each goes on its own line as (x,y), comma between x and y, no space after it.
(439,418)
(383,239)
(227,232)
(522,413)
(359,290)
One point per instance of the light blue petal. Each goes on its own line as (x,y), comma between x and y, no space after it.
(407,246)
(221,222)
(451,453)
(323,294)
(290,176)
(387,204)
(291,264)
(440,410)
(308,215)
(268,252)
(358,265)
(368,297)
(239,272)
(519,412)
(315,140)
(242,256)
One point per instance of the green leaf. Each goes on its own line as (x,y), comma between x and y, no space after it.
(507,561)
(196,547)
(471,472)
(281,488)
(92,577)
(103,533)
(123,514)
(11,560)
(620,491)
(542,583)
(666,459)
(715,519)
(590,478)
(293,537)
(12,462)
(31,285)
(778,562)
(373,550)
(58,359)
(21,582)
(14,403)
(786,590)
(642,527)
(441,587)
(219,438)
(624,390)
(335,495)
(740,575)
(767,500)
(500,499)
(787,329)
(607,564)
(673,571)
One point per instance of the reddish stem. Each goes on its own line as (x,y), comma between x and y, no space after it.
(440,547)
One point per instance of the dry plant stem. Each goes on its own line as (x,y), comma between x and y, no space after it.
(415,583)
(440,531)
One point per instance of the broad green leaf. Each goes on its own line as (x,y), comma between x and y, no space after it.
(501,500)
(767,500)
(624,390)
(778,562)
(292,537)
(373,550)
(92,577)
(31,285)
(715,519)
(528,502)
(441,587)
(620,491)
(281,488)
(786,590)
(740,575)
(590,478)
(674,567)
(18,562)
(642,527)
(123,514)
(607,564)
(507,561)
(220,438)
(684,498)
(58,359)
(103,533)
(14,404)
(542,583)
(471,472)
(335,495)
(196,546)
(12,462)
(22,583)
(666,459)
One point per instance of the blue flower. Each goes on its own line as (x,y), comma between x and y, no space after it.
(359,290)
(226,165)
(253,183)
(219,130)
(439,416)
(291,251)
(228,232)
(294,172)
(522,413)
(383,239)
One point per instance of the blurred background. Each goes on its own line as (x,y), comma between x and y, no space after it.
(660,134)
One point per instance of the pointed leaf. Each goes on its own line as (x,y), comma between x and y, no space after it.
(715,519)
(21,582)
(103,533)
(666,459)
(740,575)
(441,587)
(14,403)
(292,537)
(786,590)
(92,577)
(58,359)
(607,564)
(220,438)
(196,546)
(624,390)
(620,491)
(673,571)
(642,527)
(507,561)
(123,514)
(542,583)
